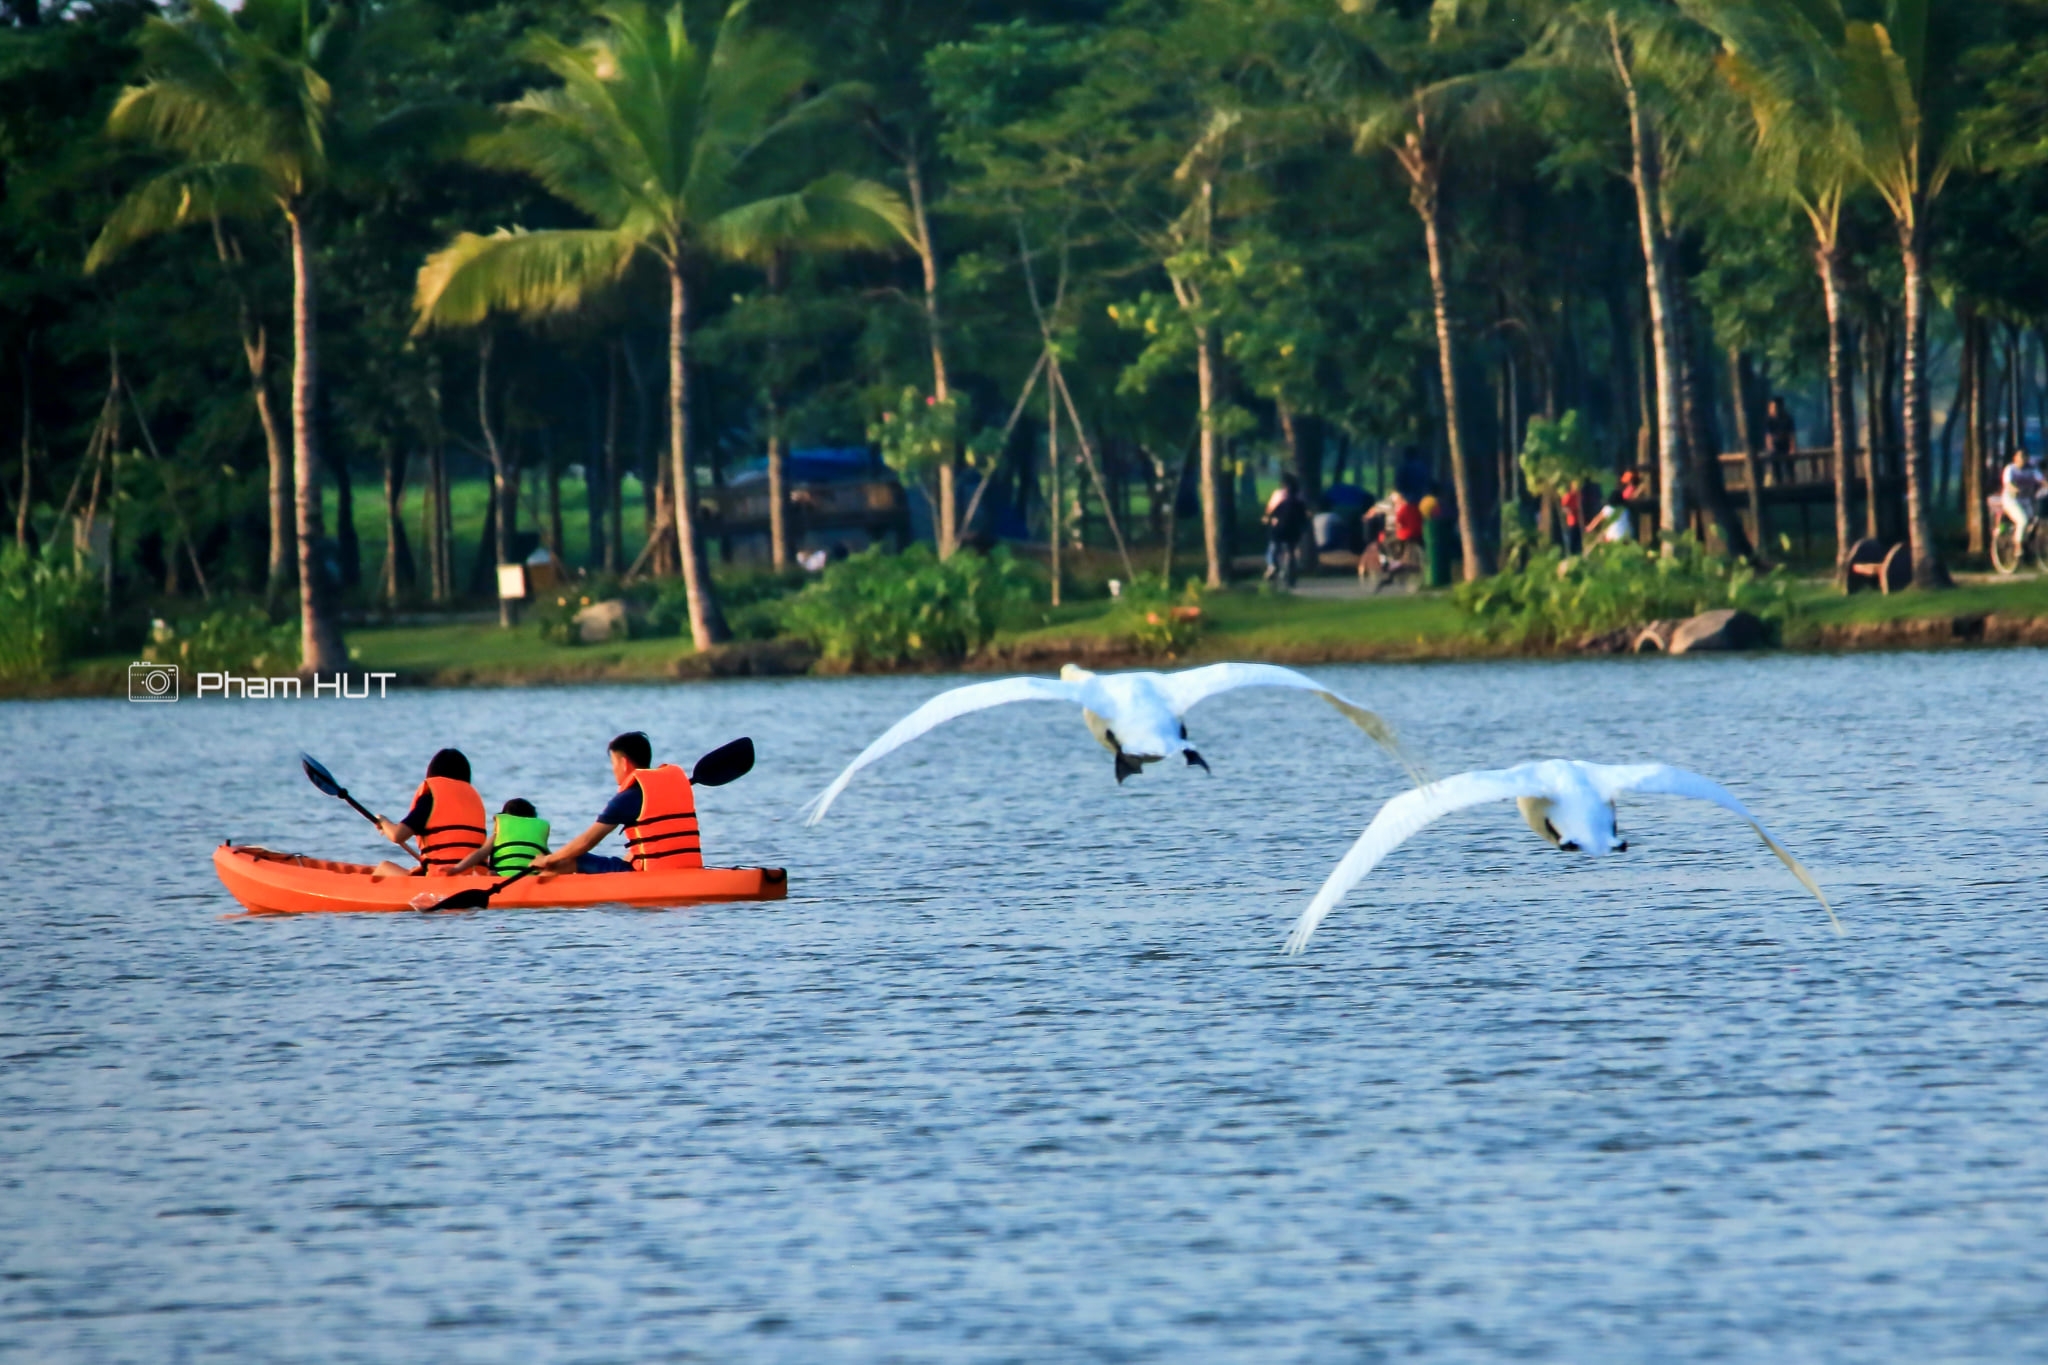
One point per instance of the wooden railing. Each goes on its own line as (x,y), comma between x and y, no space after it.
(1806,472)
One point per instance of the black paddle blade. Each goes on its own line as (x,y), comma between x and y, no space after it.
(1195,760)
(1126,766)
(317,774)
(726,763)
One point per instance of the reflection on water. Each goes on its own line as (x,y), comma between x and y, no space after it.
(1018,1071)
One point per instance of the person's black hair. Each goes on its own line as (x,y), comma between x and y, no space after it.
(1615,499)
(520,806)
(635,748)
(1290,483)
(449,763)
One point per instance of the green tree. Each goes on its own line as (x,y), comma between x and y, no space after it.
(244,102)
(670,142)
(1888,82)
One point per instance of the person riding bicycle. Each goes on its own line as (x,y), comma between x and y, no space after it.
(2019,489)
(1393,528)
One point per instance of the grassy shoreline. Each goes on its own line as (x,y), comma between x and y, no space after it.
(1241,624)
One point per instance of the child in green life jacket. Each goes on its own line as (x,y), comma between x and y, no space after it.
(518,836)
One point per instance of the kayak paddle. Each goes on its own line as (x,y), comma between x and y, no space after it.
(726,763)
(317,774)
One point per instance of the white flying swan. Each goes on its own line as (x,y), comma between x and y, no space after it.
(1569,803)
(1136,716)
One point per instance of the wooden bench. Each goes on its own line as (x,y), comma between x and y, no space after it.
(1873,564)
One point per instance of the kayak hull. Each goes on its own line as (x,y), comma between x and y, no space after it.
(271,883)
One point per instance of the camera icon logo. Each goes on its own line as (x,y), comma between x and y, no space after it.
(152,682)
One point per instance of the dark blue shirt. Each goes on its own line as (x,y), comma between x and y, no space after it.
(622,809)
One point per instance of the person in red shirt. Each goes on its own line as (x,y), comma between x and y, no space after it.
(1392,525)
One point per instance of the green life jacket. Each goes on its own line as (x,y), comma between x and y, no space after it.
(517,840)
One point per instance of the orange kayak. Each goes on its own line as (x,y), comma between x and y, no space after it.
(268,883)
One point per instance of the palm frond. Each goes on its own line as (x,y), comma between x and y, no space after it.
(529,274)
(834,213)
(179,198)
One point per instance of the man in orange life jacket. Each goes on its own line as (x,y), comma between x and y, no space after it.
(447,816)
(658,808)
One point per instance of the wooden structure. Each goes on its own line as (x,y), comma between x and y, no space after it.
(853,512)
(1802,480)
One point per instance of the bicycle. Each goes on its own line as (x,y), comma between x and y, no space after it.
(2009,545)
(1380,565)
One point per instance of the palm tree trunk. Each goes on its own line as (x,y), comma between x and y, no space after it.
(256,349)
(1212,516)
(504,493)
(778,490)
(1841,400)
(1645,173)
(1428,203)
(613,512)
(1974,358)
(1873,431)
(1702,442)
(1928,570)
(778,463)
(1745,437)
(27,445)
(398,566)
(707,628)
(927,256)
(321,646)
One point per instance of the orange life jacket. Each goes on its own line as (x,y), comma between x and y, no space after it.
(455,825)
(665,835)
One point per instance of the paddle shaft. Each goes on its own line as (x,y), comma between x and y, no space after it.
(322,780)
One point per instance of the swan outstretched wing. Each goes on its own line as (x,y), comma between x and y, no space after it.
(1402,817)
(1663,779)
(1185,689)
(936,712)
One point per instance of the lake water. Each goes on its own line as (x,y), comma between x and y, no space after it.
(1018,1072)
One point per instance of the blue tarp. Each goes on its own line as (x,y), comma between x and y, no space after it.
(818,465)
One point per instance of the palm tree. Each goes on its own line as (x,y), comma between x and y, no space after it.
(665,141)
(1893,89)
(240,100)
(1805,153)
(1419,120)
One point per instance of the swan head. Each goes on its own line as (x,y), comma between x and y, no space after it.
(1574,826)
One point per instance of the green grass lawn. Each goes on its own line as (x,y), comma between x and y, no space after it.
(1243,623)
(1820,604)
(486,653)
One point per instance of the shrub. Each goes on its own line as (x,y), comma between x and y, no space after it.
(1554,599)
(46,610)
(229,640)
(883,610)
(752,600)
(1154,620)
